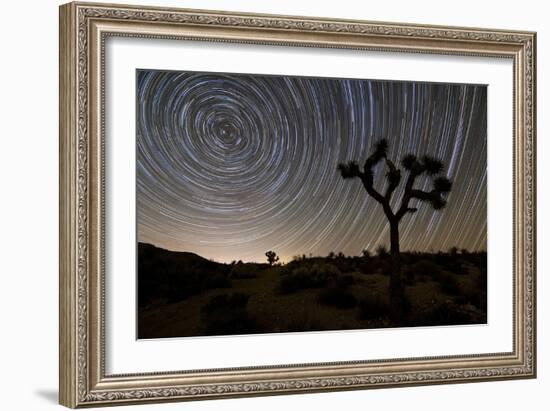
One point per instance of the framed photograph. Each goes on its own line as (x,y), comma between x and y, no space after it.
(258,204)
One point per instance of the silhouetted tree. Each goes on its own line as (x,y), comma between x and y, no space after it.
(415,167)
(272,257)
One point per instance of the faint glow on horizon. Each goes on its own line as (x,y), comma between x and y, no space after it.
(230,166)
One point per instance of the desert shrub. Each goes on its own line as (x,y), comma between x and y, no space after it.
(450,262)
(473,295)
(339,297)
(323,273)
(462,299)
(365,267)
(449,284)
(442,313)
(227,314)
(345,264)
(409,276)
(423,267)
(287,269)
(344,280)
(370,265)
(308,276)
(371,308)
(421,278)
(294,282)
(243,271)
(478,259)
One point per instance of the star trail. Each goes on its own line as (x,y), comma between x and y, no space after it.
(232,165)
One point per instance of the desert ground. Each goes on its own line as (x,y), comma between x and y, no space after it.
(182,294)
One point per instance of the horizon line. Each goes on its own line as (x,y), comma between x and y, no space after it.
(373,253)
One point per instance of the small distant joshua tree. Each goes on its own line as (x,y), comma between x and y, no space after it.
(415,168)
(272,257)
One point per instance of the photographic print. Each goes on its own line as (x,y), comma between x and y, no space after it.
(270,204)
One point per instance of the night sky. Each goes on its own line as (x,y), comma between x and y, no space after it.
(230,166)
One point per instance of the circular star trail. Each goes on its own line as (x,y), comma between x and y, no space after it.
(230,166)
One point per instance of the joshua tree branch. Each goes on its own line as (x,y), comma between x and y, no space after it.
(352,170)
(368,179)
(407,195)
(394,178)
(424,195)
(435,197)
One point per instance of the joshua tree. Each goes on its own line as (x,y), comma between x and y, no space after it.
(272,257)
(415,167)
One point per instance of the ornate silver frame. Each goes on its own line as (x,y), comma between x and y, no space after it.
(83,30)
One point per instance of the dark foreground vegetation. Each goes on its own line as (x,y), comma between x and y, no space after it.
(182,294)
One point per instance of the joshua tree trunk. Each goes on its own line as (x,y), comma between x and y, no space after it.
(396,286)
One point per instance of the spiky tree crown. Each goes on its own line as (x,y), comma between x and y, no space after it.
(428,165)
(443,184)
(408,161)
(349,169)
(432,166)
